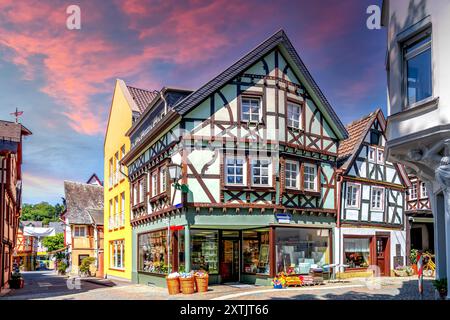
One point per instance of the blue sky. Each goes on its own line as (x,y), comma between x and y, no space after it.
(63,80)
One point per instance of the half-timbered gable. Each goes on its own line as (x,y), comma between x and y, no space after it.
(373,189)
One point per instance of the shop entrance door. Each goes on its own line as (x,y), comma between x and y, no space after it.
(383,255)
(229,260)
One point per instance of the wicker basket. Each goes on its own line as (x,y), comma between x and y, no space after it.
(187,285)
(173,285)
(202,283)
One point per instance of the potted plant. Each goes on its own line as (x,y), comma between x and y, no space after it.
(441,286)
(85,267)
(413,259)
(16,281)
(62,266)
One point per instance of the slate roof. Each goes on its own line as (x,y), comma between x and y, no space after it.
(278,39)
(12,131)
(27,223)
(58,226)
(83,202)
(142,97)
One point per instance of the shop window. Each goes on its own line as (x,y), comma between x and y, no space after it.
(291,174)
(310,177)
(357,252)
(299,249)
(153,252)
(255,251)
(205,250)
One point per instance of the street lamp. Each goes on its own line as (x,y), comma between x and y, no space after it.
(175,176)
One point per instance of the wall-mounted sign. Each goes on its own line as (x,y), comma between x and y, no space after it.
(283,217)
(176,228)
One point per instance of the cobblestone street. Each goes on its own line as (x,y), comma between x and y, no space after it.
(49,286)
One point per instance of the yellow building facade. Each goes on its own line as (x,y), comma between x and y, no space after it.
(127,104)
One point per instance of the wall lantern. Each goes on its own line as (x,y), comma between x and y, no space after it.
(175,176)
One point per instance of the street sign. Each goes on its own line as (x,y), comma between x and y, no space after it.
(283,217)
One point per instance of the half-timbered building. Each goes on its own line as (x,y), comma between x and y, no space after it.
(420,228)
(11,139)
(370,234)
(256,149)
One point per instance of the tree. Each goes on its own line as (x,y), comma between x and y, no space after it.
(53,243)
(42,211)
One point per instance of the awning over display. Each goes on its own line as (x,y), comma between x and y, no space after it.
(38,232)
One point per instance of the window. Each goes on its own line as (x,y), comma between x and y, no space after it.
(417,65)
(111,172)
(141,191)
(251,109)
(310,177)
(79,231)
(357,252)
(423,190)
(260,172)
(234,171)
(380,156)
(153,252)
(377,199)
(154,184)
(162,180)
(352,196)
(298,249)
(116,212)
(255,251)
(117,254)
(291,174)
(122,152)
(294,115)
(111,215)
(413,191)
(205,250)
(372,153)
(122,209)
(135,194)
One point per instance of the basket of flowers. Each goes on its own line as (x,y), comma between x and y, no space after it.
(173,283)
(201,281)
(187,283)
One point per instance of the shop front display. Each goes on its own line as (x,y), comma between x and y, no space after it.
(153,254)
(357,252)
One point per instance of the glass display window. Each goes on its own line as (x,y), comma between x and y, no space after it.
(300,249)
(255,251)
(357,252)
(153,253)
(205,250)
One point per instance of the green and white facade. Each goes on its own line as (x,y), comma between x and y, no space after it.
(257,146)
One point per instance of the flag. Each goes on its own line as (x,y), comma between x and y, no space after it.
(420,271)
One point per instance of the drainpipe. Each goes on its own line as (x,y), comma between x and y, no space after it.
(339,180)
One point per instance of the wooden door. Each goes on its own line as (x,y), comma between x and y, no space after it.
(382,255)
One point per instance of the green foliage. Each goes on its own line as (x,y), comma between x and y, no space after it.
(86,264)
(53,243)
(42,211)
(62,266)
(413,256)
(441,285)
(16,276)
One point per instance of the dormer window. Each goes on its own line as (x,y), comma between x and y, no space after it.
(251,109)
(294,115)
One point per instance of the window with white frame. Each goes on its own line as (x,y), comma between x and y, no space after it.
(372,154)
(162,180)
(251,109)
(154,184)
(260,172)
(294,115)
(423,190)
(291,171)
(111,214)
(117,252)
(417,68)
(352,196)
(380,156)
(135,194)
(377,199)
(122,209)
(234,171)
(141,191)
(116,212)
(413,191)
(79,231)
(310,177)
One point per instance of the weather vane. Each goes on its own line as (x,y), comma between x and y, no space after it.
(17,114)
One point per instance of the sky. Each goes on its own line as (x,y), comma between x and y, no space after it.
(63,79)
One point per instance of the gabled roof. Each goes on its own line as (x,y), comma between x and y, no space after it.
(83,201)
(279,39)
(94,180)
(12,131)
(357,131)
(142,97)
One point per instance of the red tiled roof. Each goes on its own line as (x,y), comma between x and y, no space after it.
(142,97)
(357,131)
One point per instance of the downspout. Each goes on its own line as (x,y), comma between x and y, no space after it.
(95,240)
(339,180)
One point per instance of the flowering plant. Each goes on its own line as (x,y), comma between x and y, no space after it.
(186,274)
(173,275)
(279,280)
(201,274)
